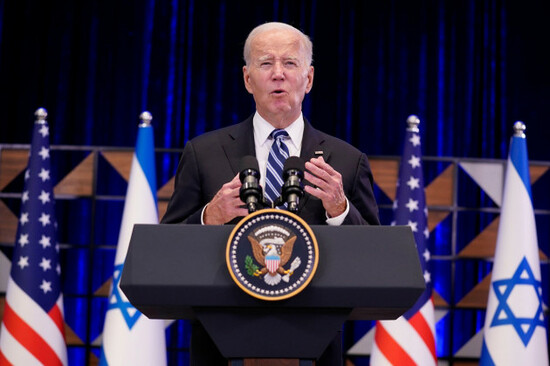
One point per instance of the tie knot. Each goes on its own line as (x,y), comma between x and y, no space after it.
(278,134)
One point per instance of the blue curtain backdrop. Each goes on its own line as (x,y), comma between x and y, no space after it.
(468,69)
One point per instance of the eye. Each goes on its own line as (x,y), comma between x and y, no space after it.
(291,63)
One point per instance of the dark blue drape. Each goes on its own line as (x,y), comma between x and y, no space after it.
(469,69)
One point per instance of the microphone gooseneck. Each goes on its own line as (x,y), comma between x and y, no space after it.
(292,190)
(251,191)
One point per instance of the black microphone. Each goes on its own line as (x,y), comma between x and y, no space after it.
(292,190)
(251,191)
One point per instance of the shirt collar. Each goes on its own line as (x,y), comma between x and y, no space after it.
(262,129)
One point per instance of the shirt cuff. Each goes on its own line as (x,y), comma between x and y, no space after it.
(202,214)
(338,220)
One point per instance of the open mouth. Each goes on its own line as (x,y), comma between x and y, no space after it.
(278,91)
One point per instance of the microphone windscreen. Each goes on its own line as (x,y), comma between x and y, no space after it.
(249,162)
(294,162)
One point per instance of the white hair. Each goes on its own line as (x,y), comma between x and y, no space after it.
(304,39)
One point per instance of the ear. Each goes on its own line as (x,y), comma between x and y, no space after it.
(246,78)
(309,79)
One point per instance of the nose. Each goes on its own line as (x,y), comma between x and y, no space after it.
(278,71)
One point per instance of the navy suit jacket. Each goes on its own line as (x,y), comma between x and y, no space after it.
(212,159)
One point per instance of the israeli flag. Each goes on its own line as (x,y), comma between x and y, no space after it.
(515,332)
(129,337)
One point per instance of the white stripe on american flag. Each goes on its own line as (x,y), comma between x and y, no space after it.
(400,330)
(427,311)
(36,318)
(14,351)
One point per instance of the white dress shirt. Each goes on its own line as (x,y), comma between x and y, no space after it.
(262,142)
(262,130)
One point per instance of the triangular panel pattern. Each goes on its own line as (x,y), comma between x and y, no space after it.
(5,267)
(440,191)
(363,346)
(384,172)
(472,348)
(477,298)
(12,163)
(79,181)
(8,225)
(489,176)
(121,161)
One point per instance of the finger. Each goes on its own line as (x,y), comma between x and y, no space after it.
(316,192)
(320,162)
(235,182)
(316,181)
(317,171)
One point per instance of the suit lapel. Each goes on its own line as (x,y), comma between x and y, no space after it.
(240,142)
(313,142)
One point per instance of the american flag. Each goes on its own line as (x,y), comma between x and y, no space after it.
(32,327)
(410,340)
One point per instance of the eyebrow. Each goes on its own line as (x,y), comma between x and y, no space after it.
(270,57)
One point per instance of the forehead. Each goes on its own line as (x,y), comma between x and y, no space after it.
(277,43)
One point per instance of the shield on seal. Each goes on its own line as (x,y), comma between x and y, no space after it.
(272,262)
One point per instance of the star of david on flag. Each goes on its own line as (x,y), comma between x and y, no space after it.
(129,337)
(32,330)
(514,330)
(410,339)
(119,301)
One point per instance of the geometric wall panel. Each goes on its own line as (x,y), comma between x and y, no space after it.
(8,224)
(440,191)
(121,161)
(384,172)
(12,163)
(98,202)
(489,176)
(478,296)
(484,244)
(79,181)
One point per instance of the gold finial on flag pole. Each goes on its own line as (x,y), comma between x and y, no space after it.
(145,118)
(412,123)
(41,115)
(519,127)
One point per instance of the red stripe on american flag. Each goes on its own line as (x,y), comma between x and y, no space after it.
(29,339)
(3,360)
(422,327)
(390,348)
(57,318)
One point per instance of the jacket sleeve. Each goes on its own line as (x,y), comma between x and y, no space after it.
(363,208)
(187,201)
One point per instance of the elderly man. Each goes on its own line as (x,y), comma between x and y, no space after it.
(278,73)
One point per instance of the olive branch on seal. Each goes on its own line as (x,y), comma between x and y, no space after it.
(251,268)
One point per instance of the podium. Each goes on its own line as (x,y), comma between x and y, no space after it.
(364,273)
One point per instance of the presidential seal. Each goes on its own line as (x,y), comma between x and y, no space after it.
(272,254)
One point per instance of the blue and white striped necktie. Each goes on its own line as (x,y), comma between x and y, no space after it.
(275,162)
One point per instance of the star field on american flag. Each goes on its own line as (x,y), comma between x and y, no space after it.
(36,251)
(410,208)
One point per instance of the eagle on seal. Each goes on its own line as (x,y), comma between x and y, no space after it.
(272,259)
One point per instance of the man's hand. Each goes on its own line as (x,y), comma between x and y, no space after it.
(226,204)
(330,188)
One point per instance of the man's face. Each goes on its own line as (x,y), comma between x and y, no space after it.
(278,76)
